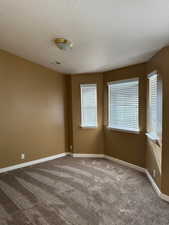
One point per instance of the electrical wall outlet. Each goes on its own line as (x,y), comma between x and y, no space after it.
(23,156)
(154,173)
(71,147)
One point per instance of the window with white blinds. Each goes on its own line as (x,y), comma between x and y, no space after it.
(152,108)
(123,98)
(88,105)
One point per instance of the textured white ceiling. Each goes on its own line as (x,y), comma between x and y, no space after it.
(107,34)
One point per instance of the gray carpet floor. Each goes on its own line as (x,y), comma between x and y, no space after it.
(78,191)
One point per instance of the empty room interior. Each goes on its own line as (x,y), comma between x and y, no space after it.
(84,112)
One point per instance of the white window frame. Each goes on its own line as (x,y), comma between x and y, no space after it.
(150,135)
(108,122)
(81,124)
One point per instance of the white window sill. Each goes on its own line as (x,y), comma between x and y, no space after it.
(124,131)
(88,127)
(154,139)
(151,137)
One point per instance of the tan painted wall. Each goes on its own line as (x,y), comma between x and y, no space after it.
(38,119)
(69,114)
(122,145)
(31,111)
(160,62)
(86,140)
(153,160)
(154,148)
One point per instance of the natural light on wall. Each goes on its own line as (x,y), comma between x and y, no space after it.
(123,103)
(88,105)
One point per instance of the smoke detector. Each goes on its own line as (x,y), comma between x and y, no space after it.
(63,44)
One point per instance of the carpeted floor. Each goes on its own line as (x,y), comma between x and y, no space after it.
(76,191)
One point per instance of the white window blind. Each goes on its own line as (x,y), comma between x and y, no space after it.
(152,111)
(124,105)
(88,105)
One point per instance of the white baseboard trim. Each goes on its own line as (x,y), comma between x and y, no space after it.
(138,168)
(124,163)
(121,162)
(153,183)
(30,163)
(164,197)
(88,155)
(132,166)
(156,188)
(143,170)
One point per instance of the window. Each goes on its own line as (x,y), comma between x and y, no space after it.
(88,105)
(152,106)
(123,105)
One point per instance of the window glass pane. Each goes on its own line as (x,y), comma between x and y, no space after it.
(88,105)
(124,105)
(152,128)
